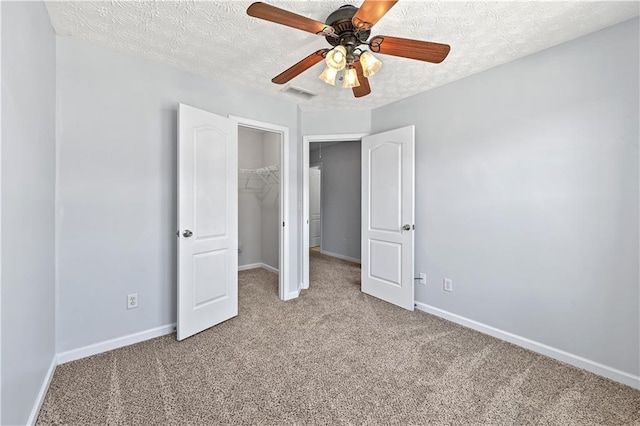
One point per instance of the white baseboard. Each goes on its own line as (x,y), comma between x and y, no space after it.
(340,256)
(33,417)
(256,266)
(249,266)
(270,268)
(118,342)
(292,295)
(558,354)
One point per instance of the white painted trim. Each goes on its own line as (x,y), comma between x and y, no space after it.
(256,266)
(1,144)
(292,295)
(33,417)
(285,193)
(340,256)
(304,219)
(249,266)
(269,268)
(118,342)
(319,166)
(558,354)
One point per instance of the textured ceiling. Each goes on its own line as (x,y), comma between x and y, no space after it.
(218,39)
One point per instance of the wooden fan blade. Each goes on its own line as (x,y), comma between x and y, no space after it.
(300,67)
(407,48)
(284,17)
(370,12)
(364,89)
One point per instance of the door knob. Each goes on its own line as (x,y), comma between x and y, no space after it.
(407,227)
(187,233)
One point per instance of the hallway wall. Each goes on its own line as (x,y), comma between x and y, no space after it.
(28,217)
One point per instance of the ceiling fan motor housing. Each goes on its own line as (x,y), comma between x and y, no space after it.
(346,33)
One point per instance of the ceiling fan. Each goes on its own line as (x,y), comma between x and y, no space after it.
(347,29)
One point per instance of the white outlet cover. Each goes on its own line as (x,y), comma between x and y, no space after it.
(447,284)
(423,278)
(132,301)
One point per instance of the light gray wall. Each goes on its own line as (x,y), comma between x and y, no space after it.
(271,205)
(341,197)
(527,195)
(335,122)
(250,154)
(28,189)
(116,208)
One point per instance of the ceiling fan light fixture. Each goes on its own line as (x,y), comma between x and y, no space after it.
(370,64)
(337,58)
(350,78)
(329,75)
(347,29)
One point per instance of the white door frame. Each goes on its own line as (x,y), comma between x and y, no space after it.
(284,261)
(319,166)
(306,140)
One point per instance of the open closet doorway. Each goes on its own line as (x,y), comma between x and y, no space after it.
(262,199)
(337,226)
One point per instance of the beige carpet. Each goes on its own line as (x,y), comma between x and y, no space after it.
(333,356)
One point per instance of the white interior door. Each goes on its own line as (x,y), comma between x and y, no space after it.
(387,216)
(315,222)
(207,220)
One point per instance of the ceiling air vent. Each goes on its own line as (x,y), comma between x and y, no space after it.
(300,93)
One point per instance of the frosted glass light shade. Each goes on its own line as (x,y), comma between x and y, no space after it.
(337,58)
(370,64)
(329,76)
(350,78)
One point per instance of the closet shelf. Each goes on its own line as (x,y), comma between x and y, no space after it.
(257,179)
(264,182)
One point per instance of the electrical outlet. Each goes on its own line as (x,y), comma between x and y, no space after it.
(423,278)
(447,284)
(132,301)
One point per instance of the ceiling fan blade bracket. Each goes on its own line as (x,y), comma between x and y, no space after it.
(328,31)
(370,12)
(420,50)
(360,25)
(375,43)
